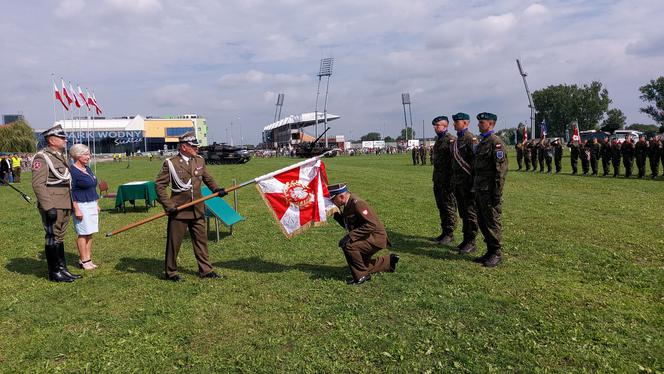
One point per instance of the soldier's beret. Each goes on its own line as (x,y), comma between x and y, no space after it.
(460,116)
(487,116)
(438,119)
(336,189)
(189,138)
(55,131)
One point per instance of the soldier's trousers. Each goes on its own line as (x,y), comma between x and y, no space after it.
(533,161)
(548,163)
(574,162)
(585,165)
(519,159)
(641,165)
(467,211)
(358,256)
(627,162)
(55,230)
(605,166)
(446,203)
(541,163)
(423,159)
(616,166)
(488,218)
(198,233)
(593,165)
(415,159)
(559,164)
(526,160)
(654,165)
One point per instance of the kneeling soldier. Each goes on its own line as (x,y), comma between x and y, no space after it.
(366,236)
(51,183)
(189,166)
(490,170)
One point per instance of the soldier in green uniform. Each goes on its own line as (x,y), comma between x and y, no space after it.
(557,154)
(533,154)
(51,182)
(443,189)
(584,149)
(640,153)
(574,154)
(366,236)
(415,155)
(605,155)
(541,152)
(627,150)
(548,153)
(655,153)
(423,154)
(462,179)
(519,155)
(526,154)
(594,149)
(615,157)
(489,179)
(185,173)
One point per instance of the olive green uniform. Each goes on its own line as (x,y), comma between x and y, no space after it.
(655,153)
(462,179)
(366,236)
(615,157)
(594,149)
(526,155)
(423,155)
(574,154)
(51,183)
(519,155)
(415,155)
(584,150)
(533,154)
(443,189)
(557,155)
(627,150)
(605,155)
(185,179)
(489,178)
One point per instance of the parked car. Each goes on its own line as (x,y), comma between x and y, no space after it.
(589,135)
(621,135)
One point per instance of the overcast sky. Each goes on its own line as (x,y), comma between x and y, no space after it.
(227,60)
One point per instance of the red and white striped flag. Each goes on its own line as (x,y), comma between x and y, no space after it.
(73,95)
(58,96)
(96,104)
(576,137)
(297,196)
(85,101)
(64,92)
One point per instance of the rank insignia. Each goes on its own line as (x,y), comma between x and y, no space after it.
(500,155)
(365,212)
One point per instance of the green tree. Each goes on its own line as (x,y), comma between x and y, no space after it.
(17,137)
(389,139)
(615,120)
(406,133)
(650,129)
(370,136)
(653,94)
(560,105)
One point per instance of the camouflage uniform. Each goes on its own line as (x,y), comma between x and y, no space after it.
(519,155)
(423,155)
(605,155)
(574,153)
(533,154)
(526,155)
(627,150)
(615,157)
(655,153)
(490,171)
(462,179)
(443,189)
(415,155)
(641,152)
(594,149)
(584,150)
(557,155)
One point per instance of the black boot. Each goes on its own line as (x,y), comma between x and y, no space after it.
(62,263)
(467,247)
(54,273)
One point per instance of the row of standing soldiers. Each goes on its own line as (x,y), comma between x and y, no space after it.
(419,155)
(590,153)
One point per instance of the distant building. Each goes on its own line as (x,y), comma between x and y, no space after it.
(289,131)
(9,118)
(119,135)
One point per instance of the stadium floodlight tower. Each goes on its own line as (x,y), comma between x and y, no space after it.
(530,98)
(325,70)
(405,100)
(280,104)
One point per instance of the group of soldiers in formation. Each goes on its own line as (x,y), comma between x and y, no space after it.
(419,155)
(590,152)
(468,175)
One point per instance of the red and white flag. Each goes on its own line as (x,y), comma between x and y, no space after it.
(525,134)
(85,101)
(91,102)
(576,137)
(64,92)
(297,196)
(73,95)
(96,104)
(58,96)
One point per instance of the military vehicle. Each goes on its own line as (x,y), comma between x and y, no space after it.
(311,149)
(216,154)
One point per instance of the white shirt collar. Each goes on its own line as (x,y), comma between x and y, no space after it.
(185,158)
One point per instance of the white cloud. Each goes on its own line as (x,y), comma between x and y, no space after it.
(536,10)
(69,8)
(256,77)
(173,95)
(135,6)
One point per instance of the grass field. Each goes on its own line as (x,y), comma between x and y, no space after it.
(581,288)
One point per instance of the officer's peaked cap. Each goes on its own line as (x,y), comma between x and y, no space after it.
(189,138)
(56,130)
(337,189)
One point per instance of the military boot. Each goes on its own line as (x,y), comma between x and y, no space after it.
(492,261)
(467,246)
(54,272)
(62,263)
(446,239)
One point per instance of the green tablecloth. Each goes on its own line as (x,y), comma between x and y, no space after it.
(132,191)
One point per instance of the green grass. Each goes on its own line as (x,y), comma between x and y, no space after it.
(581,288)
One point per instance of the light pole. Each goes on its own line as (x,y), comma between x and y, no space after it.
(325,70)
(405,100)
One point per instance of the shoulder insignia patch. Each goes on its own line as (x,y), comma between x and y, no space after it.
(365,212)
(500,155)
(452,140)
(36,165)
(499,146)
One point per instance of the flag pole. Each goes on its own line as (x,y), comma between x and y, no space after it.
(54,117)
(202,199)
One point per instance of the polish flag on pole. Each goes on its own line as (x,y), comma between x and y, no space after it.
(58,96)
(64,92)
(73,95)
(96,104)
(525,134)
(80,93)
(576,137)
(297,196)
(90,101)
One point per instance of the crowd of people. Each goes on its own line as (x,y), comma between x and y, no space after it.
(590,153)
(11,166)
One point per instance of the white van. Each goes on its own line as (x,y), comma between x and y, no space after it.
(621,135)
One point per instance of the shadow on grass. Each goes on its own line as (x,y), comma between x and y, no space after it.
(149,266)
(423,246)
(257,265)
(28,266)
